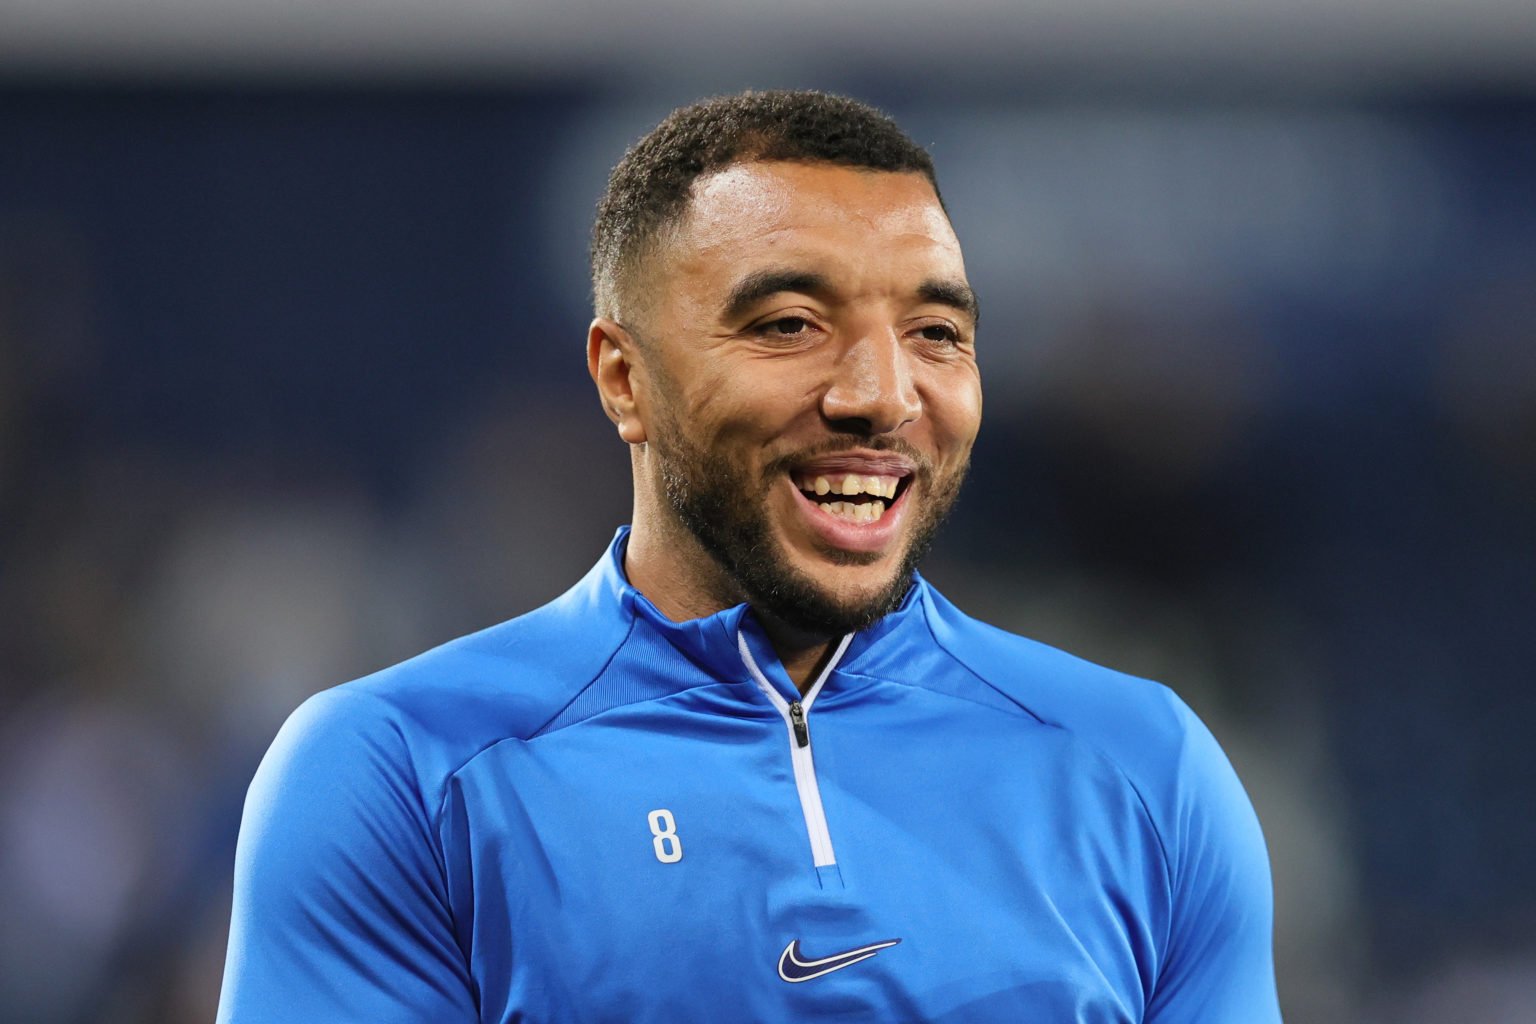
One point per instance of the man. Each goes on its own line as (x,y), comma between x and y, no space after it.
(620,807)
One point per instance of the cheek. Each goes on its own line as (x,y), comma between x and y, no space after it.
(746,406)
(954,408)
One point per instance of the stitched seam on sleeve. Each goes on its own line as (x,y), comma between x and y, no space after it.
(442,800)
(1162,844)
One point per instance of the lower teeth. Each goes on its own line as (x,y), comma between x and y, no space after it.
(858,512)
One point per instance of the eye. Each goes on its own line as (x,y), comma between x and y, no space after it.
(943,334)
(783,327)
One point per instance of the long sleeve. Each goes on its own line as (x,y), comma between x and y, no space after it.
(340,912)
(1218,967)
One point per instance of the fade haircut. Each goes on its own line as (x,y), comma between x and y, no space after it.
(650,188)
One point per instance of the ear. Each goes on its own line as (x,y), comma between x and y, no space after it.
(612,361)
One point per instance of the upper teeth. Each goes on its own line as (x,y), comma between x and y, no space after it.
(849,484)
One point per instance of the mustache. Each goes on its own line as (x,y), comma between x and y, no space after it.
(839,445)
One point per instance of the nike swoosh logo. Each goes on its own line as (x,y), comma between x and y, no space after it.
(795,970)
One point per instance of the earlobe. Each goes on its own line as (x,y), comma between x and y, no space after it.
(611,362)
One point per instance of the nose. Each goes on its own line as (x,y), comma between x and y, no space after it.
(872,390)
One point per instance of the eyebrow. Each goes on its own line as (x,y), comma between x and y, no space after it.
(955,294)
(760,284)
(755,287)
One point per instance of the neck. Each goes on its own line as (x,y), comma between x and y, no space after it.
(674,572)
(803,655)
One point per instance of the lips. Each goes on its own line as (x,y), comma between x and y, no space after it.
(853,501)
(857,497)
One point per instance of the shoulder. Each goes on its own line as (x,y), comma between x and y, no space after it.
(1140,724)
(1215,961)
(1142,727)
(417,722)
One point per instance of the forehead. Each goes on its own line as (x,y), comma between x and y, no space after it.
(864,228)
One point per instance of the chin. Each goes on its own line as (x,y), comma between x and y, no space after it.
(839,558)
(801,599)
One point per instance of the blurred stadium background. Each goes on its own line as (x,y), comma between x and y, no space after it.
(292,300)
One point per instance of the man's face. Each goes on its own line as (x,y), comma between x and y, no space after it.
(813,395)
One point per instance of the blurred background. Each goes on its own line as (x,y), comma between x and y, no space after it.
(292,308)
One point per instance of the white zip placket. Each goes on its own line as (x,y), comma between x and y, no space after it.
(795,715)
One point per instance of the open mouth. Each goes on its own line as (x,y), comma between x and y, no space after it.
(854,497)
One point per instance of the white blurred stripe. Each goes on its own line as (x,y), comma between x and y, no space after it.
(1313,41)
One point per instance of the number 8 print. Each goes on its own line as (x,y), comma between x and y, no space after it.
(669,848)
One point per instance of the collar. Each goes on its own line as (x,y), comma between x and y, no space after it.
(711,643)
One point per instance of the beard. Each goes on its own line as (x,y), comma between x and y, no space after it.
(717,502)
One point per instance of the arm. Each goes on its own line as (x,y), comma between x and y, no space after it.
(1218,967)
(340,912)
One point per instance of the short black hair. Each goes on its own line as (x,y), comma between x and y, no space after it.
(653,183)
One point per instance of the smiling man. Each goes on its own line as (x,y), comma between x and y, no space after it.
(798,382)
(620,807)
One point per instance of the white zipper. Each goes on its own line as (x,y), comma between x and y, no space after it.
(795,717)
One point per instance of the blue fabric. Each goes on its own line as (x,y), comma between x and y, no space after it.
(469,835)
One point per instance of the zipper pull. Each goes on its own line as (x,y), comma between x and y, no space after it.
(797,720)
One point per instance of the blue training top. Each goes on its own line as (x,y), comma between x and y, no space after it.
(592,813)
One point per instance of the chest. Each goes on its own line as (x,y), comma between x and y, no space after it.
(911,863)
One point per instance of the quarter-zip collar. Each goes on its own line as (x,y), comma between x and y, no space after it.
(731,647)
(711,642)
